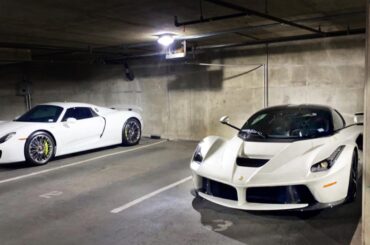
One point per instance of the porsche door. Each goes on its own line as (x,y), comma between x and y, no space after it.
(81,129)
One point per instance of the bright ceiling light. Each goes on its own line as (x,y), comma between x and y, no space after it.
(166,39)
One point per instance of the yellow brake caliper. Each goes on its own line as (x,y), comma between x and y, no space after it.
(46,148)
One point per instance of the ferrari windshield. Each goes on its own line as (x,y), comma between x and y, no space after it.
(41,113)
(288,123)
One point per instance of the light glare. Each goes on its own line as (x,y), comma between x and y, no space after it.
(166,40)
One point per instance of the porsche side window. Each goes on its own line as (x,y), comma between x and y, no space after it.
(41,113)
(338,121)
(79,113)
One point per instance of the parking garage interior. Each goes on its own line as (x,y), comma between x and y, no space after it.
(235,58)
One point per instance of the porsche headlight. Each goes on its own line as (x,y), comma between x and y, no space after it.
(6,137)
(198,157)
(329,162)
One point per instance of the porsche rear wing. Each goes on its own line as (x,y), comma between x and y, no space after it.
(127,108)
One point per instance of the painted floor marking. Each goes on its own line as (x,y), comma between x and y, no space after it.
(51,194)
(76,163)
(143,198)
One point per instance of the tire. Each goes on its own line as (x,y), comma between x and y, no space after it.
(39,148)
(360,142)
(131,133)
(353,179)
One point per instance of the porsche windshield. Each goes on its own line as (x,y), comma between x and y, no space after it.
(41,113)
(287,123)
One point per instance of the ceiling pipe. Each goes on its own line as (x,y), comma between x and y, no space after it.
(211,19)
(286,39)
(263,15)
(253,28)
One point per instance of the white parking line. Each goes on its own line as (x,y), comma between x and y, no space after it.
(143,198)
(77,163)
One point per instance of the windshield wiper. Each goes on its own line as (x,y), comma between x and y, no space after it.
(254,132)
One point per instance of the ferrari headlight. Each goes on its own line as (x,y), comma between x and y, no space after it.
(329,162)
(6,137)
(198,157)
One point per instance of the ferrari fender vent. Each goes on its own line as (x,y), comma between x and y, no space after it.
(250,162)
(294,194)
(217,189)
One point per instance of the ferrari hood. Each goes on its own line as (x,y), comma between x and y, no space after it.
(281,159)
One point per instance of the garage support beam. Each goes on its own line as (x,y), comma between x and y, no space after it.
(366,165)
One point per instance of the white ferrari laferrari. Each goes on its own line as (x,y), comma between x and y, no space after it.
(291,157)
(56,129)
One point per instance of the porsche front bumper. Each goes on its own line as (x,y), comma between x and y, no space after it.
(12,151)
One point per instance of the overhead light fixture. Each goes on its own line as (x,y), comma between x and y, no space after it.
(166,39)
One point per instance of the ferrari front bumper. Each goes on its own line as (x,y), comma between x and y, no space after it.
(251,206)
(289,197)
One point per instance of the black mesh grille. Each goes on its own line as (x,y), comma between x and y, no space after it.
(217,189)
(250,162)
(294,194)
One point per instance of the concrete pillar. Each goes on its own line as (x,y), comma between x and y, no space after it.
(366,173)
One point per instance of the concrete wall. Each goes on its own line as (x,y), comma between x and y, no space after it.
(184,100)
(366,155)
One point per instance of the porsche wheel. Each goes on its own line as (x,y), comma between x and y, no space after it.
(39,148)
(131,134)
(353,179)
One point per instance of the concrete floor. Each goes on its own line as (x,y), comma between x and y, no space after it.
(69,201)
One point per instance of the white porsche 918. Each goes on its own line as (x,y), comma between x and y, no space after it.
(56,129)
(300,157)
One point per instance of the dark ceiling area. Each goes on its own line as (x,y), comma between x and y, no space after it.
(116,29)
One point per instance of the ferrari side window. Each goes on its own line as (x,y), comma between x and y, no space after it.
(79,113)
(338,121)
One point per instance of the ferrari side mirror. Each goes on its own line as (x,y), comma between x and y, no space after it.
(359,118)
(225,120)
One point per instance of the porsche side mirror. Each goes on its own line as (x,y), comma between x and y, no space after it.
(225,120)
(359,118)
(71,120)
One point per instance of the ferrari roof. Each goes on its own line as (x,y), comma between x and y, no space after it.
(301,106)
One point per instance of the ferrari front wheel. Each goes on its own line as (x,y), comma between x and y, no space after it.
(39,148)
(131,134)
(353,179)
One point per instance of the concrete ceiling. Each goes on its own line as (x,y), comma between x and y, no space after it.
(96,24)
